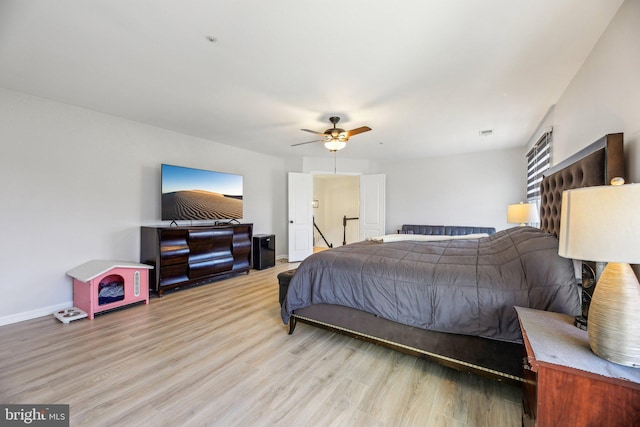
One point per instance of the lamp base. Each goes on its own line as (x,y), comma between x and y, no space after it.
(614,316)
(580,322)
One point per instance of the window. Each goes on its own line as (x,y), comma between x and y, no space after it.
(538,161)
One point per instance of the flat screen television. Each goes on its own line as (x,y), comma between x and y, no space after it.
(197,194)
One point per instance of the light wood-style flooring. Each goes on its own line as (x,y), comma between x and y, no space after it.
(219,355)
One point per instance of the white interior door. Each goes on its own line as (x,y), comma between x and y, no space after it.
(300,216)
(372,206)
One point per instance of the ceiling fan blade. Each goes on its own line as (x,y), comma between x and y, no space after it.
(358,130)
(308,142)
(313,131)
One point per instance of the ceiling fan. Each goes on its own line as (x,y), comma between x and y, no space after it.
(334,138)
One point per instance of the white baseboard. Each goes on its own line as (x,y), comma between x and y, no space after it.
(28,315)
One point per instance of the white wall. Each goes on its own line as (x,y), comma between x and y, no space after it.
(604,96)
(334,164)
(77,185)
(466,189)
(470,189)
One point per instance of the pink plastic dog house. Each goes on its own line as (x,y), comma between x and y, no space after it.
(101,285)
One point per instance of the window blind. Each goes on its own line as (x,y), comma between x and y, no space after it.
(538,161)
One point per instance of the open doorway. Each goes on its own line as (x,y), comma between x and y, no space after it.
(369,198)
(336,206)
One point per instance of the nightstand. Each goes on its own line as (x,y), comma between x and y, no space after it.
(565,383)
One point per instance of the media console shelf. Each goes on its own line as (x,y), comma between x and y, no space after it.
(183,256)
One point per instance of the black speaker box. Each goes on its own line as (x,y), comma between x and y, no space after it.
(264,251)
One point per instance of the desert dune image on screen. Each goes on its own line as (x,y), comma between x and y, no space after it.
(196,194)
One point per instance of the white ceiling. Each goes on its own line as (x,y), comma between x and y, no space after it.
(426,75)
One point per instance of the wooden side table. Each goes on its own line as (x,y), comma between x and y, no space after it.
(566,384)
(91,277)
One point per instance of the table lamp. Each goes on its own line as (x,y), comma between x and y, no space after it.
(603,224)
(522,213)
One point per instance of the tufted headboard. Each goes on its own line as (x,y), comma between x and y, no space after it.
(595,165)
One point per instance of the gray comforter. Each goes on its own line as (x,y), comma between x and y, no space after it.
(459,286)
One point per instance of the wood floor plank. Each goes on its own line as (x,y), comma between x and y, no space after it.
(218,354)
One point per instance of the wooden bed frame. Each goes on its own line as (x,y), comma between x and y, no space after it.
(597,164)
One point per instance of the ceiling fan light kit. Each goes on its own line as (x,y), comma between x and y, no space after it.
(335,145)
(334,138)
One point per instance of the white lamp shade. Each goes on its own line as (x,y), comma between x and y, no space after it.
(601,224)
(522,213)
(335,144)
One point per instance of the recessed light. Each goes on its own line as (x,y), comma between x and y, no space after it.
(486,132)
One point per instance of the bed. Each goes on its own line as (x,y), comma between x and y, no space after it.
(452,300)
